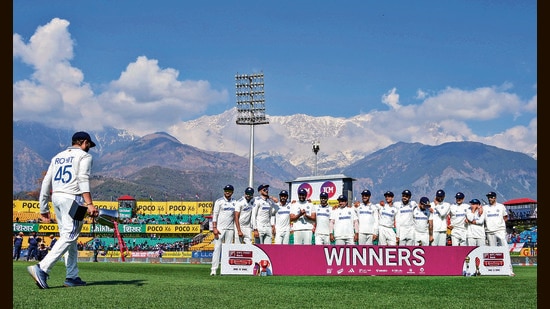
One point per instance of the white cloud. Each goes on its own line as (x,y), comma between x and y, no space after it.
(391,98)
(57,95)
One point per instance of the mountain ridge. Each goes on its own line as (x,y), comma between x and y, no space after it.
(128,164)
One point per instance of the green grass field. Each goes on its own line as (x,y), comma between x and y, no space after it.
(145,285)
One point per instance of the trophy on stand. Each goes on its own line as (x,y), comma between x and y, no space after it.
(466,272)
(110,218)
(478,261)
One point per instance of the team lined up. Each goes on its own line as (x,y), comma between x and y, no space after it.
(406,223)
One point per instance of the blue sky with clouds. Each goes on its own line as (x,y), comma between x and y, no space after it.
(469,66)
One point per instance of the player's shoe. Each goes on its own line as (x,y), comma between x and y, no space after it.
(213,273)
(39,276)
(74,282)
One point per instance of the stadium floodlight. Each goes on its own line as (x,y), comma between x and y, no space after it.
(249,90)
(316,147)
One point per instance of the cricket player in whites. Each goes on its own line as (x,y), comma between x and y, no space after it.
(322,225)
(457,214)
(441,210)
(263,215)
(243,217)
(67,183)
(223,224)
(303,216)
(496,216)
(423,223)
(387,210)
(367,214)
(404,220)
(344,226)
(282,219)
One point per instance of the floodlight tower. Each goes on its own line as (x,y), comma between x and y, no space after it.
(316,148)
(249,90)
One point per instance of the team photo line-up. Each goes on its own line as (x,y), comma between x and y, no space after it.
(266,219)
(66,184)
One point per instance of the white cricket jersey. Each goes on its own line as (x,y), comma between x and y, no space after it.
(224,213)
(323,220)
(458,215)
(368,218)
(244,208)
(387,215)
(344,226)
(68,173)
(476,230)
(404,217)
(303,224)
(282,217)
(422,219)
(440,213)
(494,217)
(263,214)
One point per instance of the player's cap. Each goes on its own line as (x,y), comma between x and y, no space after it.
(302,192)
(406,193)
(475,201)
(323,195)
(283,193)
(388,193)
(342,198)
(365,192)
(491,194)
(262,186)
(459,195)
(78,136)
(249,191)
(424,200)
(440,193)
(228,188)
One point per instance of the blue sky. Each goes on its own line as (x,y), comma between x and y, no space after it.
(468,64)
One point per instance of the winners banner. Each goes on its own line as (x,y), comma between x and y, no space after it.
(320,260)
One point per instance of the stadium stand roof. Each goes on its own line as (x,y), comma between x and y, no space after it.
(126,197)
(520,201)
